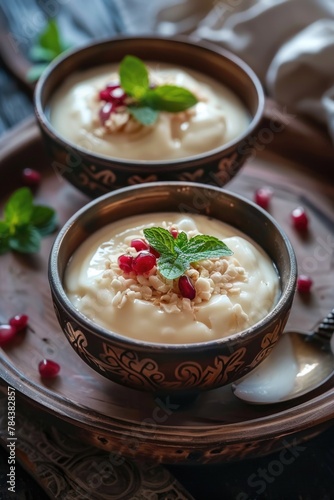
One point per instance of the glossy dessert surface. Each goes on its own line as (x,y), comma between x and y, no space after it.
(231,293)
(218,117)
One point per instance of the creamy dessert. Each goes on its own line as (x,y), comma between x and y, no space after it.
(118,280)
(81,112)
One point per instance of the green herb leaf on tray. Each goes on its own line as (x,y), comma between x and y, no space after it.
(4,237)
(18,209)
(48,46)
(35,71)
(25,240)
(24,223)
(147,101)
(176,254)
(50,38)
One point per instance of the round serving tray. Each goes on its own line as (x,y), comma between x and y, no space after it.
(216,427)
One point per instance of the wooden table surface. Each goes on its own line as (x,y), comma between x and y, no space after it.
(310,476)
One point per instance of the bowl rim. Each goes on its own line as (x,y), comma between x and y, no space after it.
(56,283)
(177,163)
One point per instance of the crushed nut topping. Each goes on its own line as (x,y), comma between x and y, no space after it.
(217,276)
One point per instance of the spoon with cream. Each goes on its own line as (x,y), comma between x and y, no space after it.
(301,362)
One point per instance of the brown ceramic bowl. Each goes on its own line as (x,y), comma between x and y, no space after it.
(182,368)
(95,174)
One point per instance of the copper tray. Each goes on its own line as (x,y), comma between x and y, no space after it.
(216,427)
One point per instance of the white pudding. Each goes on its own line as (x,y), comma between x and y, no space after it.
(232,292)
(217,118)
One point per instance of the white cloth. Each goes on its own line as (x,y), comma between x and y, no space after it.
(288,43)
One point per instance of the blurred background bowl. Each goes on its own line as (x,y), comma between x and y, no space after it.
(166,368)
(96,174)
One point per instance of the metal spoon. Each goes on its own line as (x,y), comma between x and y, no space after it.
(299,363)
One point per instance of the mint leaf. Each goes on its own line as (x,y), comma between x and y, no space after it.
(18,209)
(4,237)
(146,101)
(4,229)
(181,241)
(25,223)
(4,245)
(172,266)
(48,46)
(144,115)
(38,53)
(176,254)
(43,219)
(160,239)
(202,247)
(50,38)
(26,240)
(170,98)
(133,76)
(35,71)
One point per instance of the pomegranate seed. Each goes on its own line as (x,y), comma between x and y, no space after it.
(48,368)
(174,233)
(31,178)
(154,252)
(299,219)
(304,283)
(7,333)
(186,287)
(125,263)
(104,95)
(105,111)
(113,94)
(19,322)
(263,196)
(144,262)
(117,95)
(112,86)
(139,244)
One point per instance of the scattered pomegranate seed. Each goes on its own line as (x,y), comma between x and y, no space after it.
(304,283)
(125,263)
(7,333)
(139,244)
(174,233)
(299,219)
(143,262)
(31,178)
(105,111)
(19,322)
(263,196)
(48,368)
(186,287)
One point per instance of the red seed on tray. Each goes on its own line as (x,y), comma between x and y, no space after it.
(48,368)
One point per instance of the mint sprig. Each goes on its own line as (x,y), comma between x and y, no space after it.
(24,224)
(48,46)
(147,101)
(176,254)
